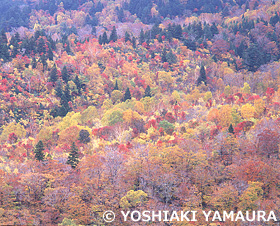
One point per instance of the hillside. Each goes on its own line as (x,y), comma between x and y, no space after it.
(138,105)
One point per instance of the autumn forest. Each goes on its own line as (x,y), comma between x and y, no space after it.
(135,105)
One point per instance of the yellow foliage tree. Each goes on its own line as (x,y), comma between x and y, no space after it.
(213,115)
(225,116)
(116,96)
(247,111)
(259,106)
(13,127)
(129,116)
(133,199)
(89,114)
(251,198)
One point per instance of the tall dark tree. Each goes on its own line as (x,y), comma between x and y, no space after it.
(100,41)
(113,35)
(116,85)
(141,37)
(202,76)
(34,62)
(254,57)
(214,29)
(171,57)
(230,129)
(78,84)
(127,37)
(50,53)
(53,74)
(127,95)
(58,89)
(3,37)
(178,32)
(105,38)
(39,148)
(73,158)
(148,92)
(41,46)
(65,74)
(163,55)
(134,42)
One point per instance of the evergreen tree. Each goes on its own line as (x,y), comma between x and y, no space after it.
(53,74)
(39,148)
(73,158)
(134,42)
(121,15)
(148,92)
(127,95)
(163,55)
(198,30)
(171,57)
(3,37)
(178,32)
(274,19)
(254,57)
(127,37)
(50,53)
(141,37)
(104,38)
(230,129)
(64,102)
(43,60)
(41,46)
(116,85)
(34,63)
(214,29)
(190,44)
(114,36)
(65,74)
(207,32)
(202,76)
(100,41)
(58,89)
(78,84)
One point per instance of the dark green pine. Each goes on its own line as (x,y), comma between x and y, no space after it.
(53,74)
(127,95)
(73,158)
(202,76)
(148,92)
(230,129)
(39,148)
(113,36)
(65,74)
(116,85)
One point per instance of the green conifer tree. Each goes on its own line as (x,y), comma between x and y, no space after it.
(116,85)
(141,37)
(105,38)
(53,74)
(100,40)
(127,37)
(134,42)
(127,95)
(113,36)
(65,75)
(73,158)
(39,148)
(230,129)
(148,92)
(202,76)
